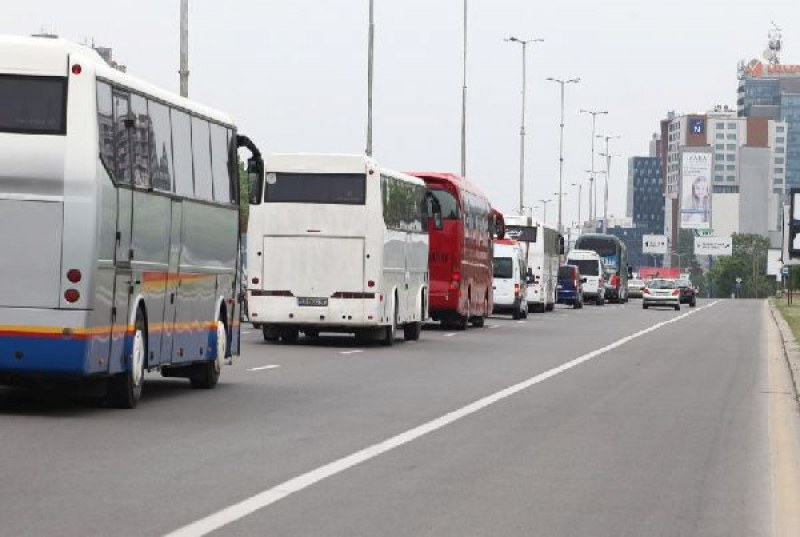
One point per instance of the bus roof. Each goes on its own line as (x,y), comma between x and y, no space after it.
(330,163)
(44,56)
(452,179)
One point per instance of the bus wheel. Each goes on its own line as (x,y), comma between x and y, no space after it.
(270,333)
(390,332)
(205,375)
(477,322)
(290,335)
(412,331)
(125,390)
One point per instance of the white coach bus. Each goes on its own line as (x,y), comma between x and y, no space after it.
(119,224)
(543,248)
(337,244)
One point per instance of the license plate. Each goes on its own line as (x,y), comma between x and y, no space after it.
(312,301)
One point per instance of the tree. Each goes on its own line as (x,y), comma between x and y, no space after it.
(748,262)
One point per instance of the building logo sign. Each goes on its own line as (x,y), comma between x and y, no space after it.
(713,246)
(696,190)
(697,126)
(654,244)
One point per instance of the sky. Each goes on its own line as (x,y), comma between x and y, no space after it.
(293,75)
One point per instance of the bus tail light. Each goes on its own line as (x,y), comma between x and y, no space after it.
(76,69)
(455,279)
(72,295)
(74,275)
(370,283)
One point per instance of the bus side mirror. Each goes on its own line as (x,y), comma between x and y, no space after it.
(255,180)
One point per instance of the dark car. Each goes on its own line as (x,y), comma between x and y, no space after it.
(688,292)
(570,286)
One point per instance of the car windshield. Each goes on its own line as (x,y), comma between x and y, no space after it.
(587,267)
(661,284)
(636,283)
(503,267)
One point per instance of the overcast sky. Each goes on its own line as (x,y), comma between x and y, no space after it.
(293,73)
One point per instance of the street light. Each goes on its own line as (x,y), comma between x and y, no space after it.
(593,186)
(370,73)
(524,43)
(464,101)
(579,184)
(544,206)
(561,83)
(608,156)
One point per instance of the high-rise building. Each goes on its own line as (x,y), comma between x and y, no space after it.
(645,197)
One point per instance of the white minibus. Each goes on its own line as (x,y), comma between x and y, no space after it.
(508,284)
(543,248)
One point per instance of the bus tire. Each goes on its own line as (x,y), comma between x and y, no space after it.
(205,375)
(550,306)
(125,389)
(478,322)
(390,331)
(600,300)
(412,331)
(270,333)
(290,335)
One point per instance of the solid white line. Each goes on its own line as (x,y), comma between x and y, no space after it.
(264,367)
(351,352)
(266,498)
(451,334)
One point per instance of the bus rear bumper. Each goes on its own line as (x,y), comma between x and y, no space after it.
(343,313)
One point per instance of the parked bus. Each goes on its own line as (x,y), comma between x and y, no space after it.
(461,250)
(614,255)
(119,225)
(543,248)
(337,244)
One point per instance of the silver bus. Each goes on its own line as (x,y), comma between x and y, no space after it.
(119,224)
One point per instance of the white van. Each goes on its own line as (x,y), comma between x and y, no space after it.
(590,266)
(509,285)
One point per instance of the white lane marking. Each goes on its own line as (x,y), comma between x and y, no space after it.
(520,322)
(266,498)
(493,326)
(351,352)
(451,334)
(264,367)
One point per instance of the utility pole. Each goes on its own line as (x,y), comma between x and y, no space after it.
(608,156)
(561,83)
(593,184)
(184,66)
(370,73)
(524,44)
(464,100)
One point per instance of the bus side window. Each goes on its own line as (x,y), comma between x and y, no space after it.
(141,138)
(433,210)
(161,167)
(182,155)
(105,127)
(201,155)
(220,167)
(122,132)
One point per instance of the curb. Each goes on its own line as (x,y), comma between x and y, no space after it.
(791,349)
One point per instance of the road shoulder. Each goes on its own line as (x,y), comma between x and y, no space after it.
(784,425)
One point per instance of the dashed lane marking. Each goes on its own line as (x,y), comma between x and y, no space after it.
(264,367)
(356,351)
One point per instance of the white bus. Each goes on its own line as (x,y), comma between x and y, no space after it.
(544,247)
(337,244)
(119,225)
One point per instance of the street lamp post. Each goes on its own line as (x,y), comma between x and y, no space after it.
(464,101)
(370,73)
(608,156)
(561,83)
(593,185)
(524,43)
(184,49)
(580,195)
(544,206)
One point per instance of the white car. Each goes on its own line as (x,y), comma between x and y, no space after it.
(661,293)
(590,266)
(509,283)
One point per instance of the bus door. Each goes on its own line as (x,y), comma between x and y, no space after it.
(173,280)
(123,276)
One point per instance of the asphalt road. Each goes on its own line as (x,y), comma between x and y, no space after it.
(664,432)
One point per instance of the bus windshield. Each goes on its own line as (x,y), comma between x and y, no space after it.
(33,104)
(603,247)
(323,188)
(447,202)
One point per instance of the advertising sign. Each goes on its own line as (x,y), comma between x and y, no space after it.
(696,190)
(654,244)
(647,273)
(713,246)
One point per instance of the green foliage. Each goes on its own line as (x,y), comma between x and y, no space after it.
(748,262)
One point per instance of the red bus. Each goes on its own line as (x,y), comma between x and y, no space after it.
(460,259)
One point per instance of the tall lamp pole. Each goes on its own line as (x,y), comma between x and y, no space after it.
(580,195)
(464,100)
(544,205)
(524,43)
(608,156)
(593,185)
(370,73)
(561,83)
(184,50)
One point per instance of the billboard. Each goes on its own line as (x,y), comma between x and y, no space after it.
(696,190)
(654,244)
(713,246)
(647,273)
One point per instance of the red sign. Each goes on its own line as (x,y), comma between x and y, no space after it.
(647,273)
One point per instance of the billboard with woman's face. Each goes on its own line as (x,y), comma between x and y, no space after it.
(696,169)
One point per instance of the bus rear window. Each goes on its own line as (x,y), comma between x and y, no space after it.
(330,188)
(447,203)
(587,267)
(33,104)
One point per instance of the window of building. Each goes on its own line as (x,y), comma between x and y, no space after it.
(720,136)
(719,167)
(780,140)
(780,129)
(720,125)
(779,160)
(731,167)
(730,157)
(731,147)
(201,154)
(182,153)
(732,125)
(718,178)
(780,150)
(778,171)
(731,136)
(720,147)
